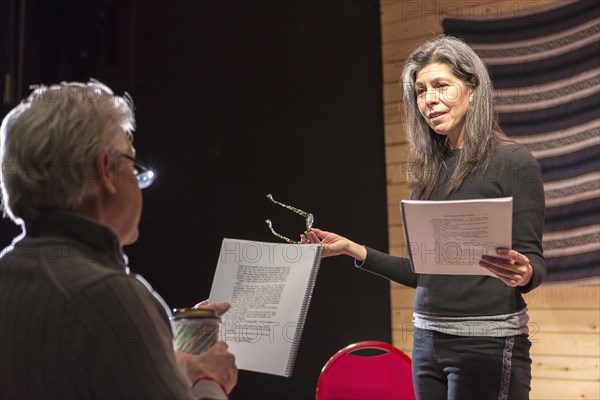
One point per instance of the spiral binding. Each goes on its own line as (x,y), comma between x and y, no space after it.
(303,311)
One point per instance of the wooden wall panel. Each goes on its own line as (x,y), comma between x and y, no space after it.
(394,133)
(392,113)
(564,319)
(565,367)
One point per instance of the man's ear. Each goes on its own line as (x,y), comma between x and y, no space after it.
(106,174)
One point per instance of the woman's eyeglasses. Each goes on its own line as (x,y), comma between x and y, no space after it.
(309,219)
(144,175)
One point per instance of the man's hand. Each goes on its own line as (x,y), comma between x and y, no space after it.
(220,308)
(216,363)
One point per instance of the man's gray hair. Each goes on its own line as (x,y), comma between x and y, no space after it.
(49,142)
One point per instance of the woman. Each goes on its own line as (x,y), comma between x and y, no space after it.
(471,336)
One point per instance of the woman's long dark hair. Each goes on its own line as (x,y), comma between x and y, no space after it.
(482,133)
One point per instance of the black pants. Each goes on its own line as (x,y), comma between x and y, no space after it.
(463,367)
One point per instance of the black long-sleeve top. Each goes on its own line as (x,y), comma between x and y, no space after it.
(512,172)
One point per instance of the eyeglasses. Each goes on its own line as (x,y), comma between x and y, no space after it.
(309,219)
(144,175)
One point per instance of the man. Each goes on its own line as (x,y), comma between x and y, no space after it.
(75,323)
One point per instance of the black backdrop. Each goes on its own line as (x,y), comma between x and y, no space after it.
(237,99)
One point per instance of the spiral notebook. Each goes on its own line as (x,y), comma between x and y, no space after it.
(269,286)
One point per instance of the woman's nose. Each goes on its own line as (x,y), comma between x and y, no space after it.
(431,97)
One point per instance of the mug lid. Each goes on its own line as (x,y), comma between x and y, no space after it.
(194,313)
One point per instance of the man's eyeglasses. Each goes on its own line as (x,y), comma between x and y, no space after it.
(144,175)
(309,219)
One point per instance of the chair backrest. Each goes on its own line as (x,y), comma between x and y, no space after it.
(386,375)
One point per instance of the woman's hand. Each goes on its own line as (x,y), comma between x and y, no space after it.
(334,244)
(511,266)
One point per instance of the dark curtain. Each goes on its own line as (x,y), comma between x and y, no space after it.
(235,100)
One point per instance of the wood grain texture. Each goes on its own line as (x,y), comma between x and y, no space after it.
(564,319)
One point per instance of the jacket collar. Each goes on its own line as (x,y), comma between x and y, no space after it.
(101,240)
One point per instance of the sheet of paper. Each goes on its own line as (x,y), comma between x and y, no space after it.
(449,237)
(269,286)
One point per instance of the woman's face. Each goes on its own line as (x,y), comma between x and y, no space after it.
(443,100)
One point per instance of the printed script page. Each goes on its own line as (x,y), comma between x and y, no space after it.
(449,237)
(266,284)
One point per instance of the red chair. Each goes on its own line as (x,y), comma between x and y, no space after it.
(386,375)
